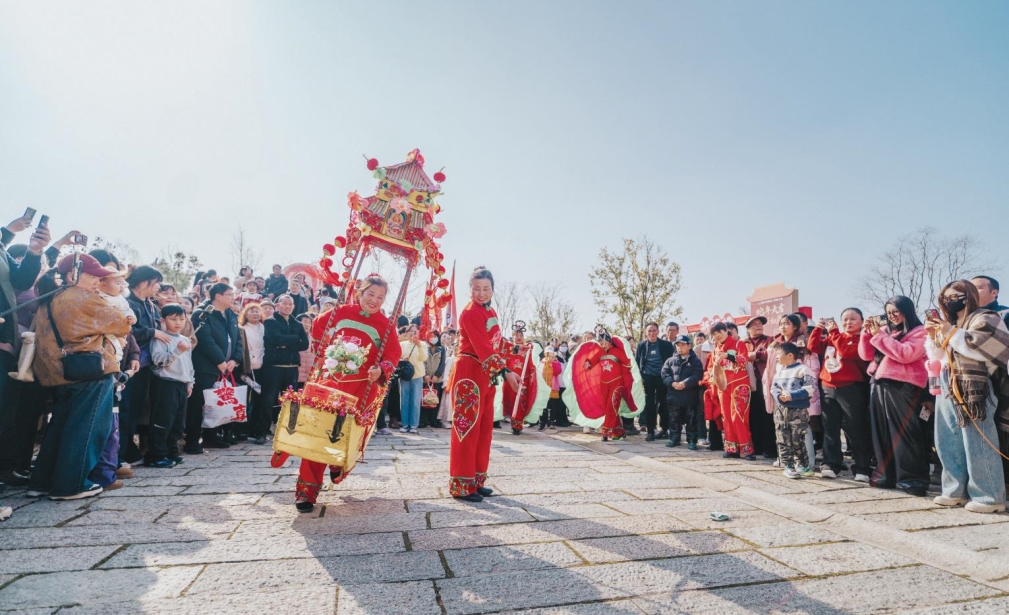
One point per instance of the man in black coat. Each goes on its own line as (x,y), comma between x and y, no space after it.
(651,355)
(276,284)
(218,352)
(681,375)
(284,339)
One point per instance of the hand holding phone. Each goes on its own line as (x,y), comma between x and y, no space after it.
(932,314)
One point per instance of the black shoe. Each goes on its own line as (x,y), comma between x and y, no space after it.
(632,431)
(473,497)
(216,443)
(259,440)
(650,437)
(663,434)
(485,491)
(542,427)
(516,432)
(915,488)
(242,438)
(750,457)
(729,455)
(770,455)
(672,444)
(605,439)
(15,478)
(304,507)
(192,449)
(176,459)
(497,424)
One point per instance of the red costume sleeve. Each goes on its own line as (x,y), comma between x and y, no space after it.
(474,323)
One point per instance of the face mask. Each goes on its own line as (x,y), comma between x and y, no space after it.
(433,340)
(955,307)
(564,348)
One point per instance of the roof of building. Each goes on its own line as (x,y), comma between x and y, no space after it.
(413,172)
(773,291)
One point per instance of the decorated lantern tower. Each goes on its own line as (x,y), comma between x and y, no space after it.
(399,220)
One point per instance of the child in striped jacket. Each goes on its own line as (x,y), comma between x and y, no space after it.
(791,390)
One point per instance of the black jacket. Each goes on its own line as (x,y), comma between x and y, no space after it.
(275,285)
(283,339)
(22,277)
(687,370)
(219,341)
(148,320)
(666,350)
(300,305)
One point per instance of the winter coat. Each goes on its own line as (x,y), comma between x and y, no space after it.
(219,341)
(284,340)
(687,370)
(903,359)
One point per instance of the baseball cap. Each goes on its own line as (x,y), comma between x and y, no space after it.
(683,339)
(89,265)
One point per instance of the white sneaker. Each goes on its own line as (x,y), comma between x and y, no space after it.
(383,432)
(777,463)
(861,478)
(827,473)
(791,472)
(5,512)
(978,507)
(94,490)
(404,430)
(943,500)
(703,442)
(586,430)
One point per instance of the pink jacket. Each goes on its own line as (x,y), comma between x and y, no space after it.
(903,359)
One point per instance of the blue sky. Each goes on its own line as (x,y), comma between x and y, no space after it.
(757,142)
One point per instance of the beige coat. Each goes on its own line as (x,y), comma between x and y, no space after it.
(83,319)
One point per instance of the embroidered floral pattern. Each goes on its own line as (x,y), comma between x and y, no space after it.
(616,397)
(460,487)
(481,478)
(305,491)
(466,401)
(493,365)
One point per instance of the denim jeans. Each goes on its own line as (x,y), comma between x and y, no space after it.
(409,399)
(73,444)
(970,467)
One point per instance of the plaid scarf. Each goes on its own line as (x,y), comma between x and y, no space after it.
(972,380)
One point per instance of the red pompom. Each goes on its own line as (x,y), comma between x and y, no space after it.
(439,177)
(440,270)
(326,263)
(329,249)
(345,275)
(372,164)
(446,297)
(443,283)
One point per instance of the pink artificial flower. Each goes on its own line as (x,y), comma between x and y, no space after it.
(355,201)
(400,205)
(435,230)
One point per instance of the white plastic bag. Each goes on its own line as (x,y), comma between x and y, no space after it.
(224,403)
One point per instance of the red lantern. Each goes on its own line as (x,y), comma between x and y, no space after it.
(340,243)
(326,263)
(446,297)
(372,164)
(439,177)
(441,270)
(443,283)
(345,275)
(329,249)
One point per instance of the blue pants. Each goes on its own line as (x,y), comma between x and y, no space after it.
(73,444)
(971,468)
(105,471)
(409,400)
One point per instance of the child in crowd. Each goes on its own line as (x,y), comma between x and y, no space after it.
(112,288)
(172,385)
(308,355)
(682,373)
(791,391)
(251,295)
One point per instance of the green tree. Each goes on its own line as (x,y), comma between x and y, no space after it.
(636,285)
(177,267)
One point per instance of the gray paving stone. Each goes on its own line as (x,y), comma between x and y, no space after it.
(177,501)
(861,494)
(993,606)
(789,534)
(117,517)
(254,577)
(724,504)
(29,517)
(572,511)
(545,531)
(883,506)
(20,561)
(479,517)
(676,493)
(132,490)
(737,518)
(836,558)
(488,560)
(521,590)
(976,537)
(94,535)
(93,587)
(898,590)
(655,546)
(417,598)
(261,548)
(518,486)
(929,519)
(614,607)
(338,524)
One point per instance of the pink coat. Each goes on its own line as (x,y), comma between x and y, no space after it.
(903,359)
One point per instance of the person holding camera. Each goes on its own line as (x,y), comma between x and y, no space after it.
(73,357)
(972,345)
(894,346)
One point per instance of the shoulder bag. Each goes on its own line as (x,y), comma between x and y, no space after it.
(77,366)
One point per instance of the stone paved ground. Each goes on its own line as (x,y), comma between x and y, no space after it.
(580,527)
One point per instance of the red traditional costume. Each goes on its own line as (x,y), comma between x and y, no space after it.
(602,389)
(519,358)
(477,364)
(712,411)
(354,324)
(734,399)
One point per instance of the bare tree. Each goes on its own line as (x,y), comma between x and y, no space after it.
(126,253)
(919,264)
(553,316)
(178,267)
(243,254)
(636,286)
(509,305)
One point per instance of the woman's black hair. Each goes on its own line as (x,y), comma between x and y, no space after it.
(482,273)
(196,278)
(46,284)
(143,273)
(905,306)
(104,257)
(210,273)
(719,326)
(795,320)
(853,309)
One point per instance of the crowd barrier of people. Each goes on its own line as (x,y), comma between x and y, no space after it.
(105,366)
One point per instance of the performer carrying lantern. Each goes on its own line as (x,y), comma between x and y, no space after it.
(604,384)
(357,363)
(477,369)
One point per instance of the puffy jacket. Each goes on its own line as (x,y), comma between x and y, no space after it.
(148,320)
(687,370)
(219,341)
(284,340)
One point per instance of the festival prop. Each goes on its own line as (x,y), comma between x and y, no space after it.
(321,423)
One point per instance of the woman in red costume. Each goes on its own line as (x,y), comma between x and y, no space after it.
(362,322)
(733,384)
(519,359)
(472,387)
(602,380)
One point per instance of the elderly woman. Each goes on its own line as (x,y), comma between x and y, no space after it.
(971,345)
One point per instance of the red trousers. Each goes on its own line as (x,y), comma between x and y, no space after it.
(310,477)
(472,426)
(735,403)
(613,396)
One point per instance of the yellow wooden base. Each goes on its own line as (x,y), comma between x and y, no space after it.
(310,437)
